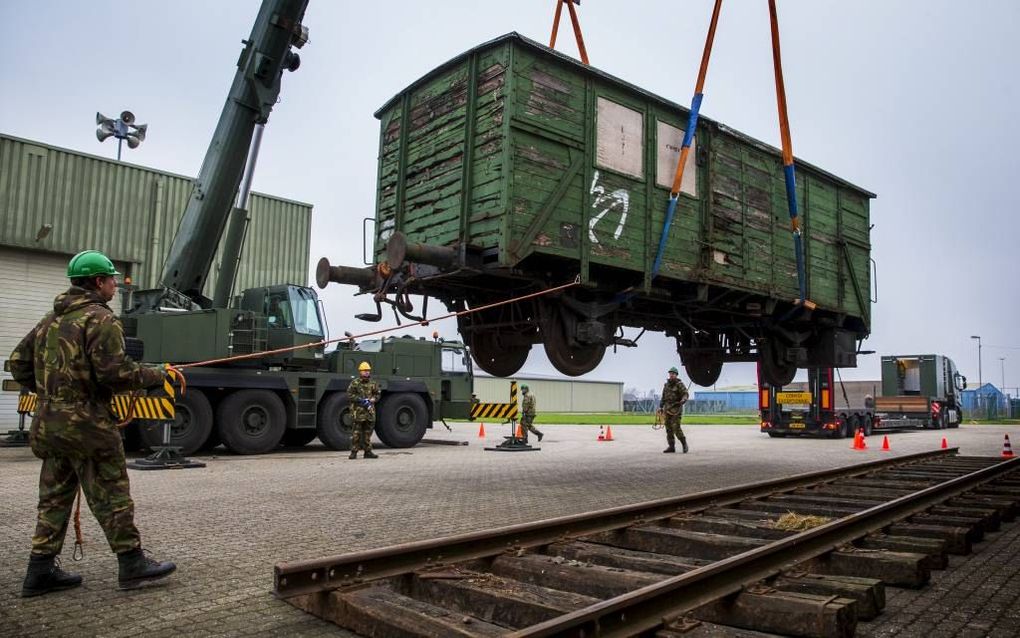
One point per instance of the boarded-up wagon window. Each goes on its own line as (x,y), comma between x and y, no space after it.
(669,139)
(620,138)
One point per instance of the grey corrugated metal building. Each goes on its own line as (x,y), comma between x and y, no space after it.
(55,202)
(556,394)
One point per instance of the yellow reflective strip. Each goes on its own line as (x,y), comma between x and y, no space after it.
(141,409)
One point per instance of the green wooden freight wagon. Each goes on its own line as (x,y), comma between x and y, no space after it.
(512,168)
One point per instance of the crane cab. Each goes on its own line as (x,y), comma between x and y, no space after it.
(291,316)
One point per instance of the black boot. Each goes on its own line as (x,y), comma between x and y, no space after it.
(540,435)
(369,454)
(669,450)
(353,455)
(44,575)
(138,570)
(683,442)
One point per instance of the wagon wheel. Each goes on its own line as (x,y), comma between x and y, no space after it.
(496,357)
(775,371)
(703,368)
(572,361)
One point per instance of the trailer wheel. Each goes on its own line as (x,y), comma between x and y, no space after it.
(298,437)
(333,423)
(403,419)
(251,421)
(842,431)
(868,424)
(193,423)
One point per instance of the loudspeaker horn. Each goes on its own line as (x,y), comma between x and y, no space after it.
(128,117)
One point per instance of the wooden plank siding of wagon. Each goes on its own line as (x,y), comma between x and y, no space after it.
(533,119)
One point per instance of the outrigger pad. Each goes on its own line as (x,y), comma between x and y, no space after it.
(164,458)
(512,444)
(15,438)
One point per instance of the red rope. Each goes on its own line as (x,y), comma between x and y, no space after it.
(423,322)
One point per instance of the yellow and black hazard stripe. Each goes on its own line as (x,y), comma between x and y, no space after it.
(151,408)
(504,411)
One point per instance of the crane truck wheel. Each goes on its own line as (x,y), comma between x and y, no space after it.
(251,421)
(333,423)
(193,422)
(403,419)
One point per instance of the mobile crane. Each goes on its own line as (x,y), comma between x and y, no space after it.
(253,405)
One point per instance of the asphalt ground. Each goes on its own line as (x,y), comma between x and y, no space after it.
(227,524)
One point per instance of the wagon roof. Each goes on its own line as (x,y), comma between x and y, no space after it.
(590,70)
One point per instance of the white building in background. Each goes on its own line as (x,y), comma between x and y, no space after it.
(556,394)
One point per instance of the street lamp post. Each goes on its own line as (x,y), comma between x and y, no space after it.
(980,380)
(1002,380)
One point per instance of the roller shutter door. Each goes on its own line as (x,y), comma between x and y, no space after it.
(31,280)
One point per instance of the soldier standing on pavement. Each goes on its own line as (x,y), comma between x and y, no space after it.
(674,396)
(363,394)
(528,413)
(74,360)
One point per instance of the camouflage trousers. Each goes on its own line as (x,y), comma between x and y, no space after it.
(528,425)
(361,436)
(104,482)
(673,429)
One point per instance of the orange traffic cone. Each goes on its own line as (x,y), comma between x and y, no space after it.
(885,444)
(945,443)
(520,431)
(609,433)
(481,431)
(1007,451)
(864,442)
(859,443)
(602,433)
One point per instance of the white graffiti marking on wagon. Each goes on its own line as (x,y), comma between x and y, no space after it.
(604,202)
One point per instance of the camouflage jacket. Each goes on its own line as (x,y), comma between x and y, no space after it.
(674,396)
(528,404)
(359,390)
(74,360)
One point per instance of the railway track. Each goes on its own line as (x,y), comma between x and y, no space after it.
(808,555)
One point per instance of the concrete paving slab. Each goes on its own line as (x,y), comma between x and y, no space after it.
(227,524)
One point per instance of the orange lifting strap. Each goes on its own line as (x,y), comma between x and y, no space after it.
(573,20)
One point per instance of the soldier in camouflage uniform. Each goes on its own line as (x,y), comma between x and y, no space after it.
(528,413)
(363,394)
(671,407)
(74,360)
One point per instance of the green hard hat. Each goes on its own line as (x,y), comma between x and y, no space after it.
(524,386)
(673,370)
(90,263)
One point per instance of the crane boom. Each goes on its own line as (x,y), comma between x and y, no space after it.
(253,94)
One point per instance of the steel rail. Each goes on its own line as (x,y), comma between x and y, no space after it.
(656,605)
(296,578)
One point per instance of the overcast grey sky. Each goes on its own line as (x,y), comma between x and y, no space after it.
(915,100)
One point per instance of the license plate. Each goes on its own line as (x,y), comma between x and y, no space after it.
(797,426)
